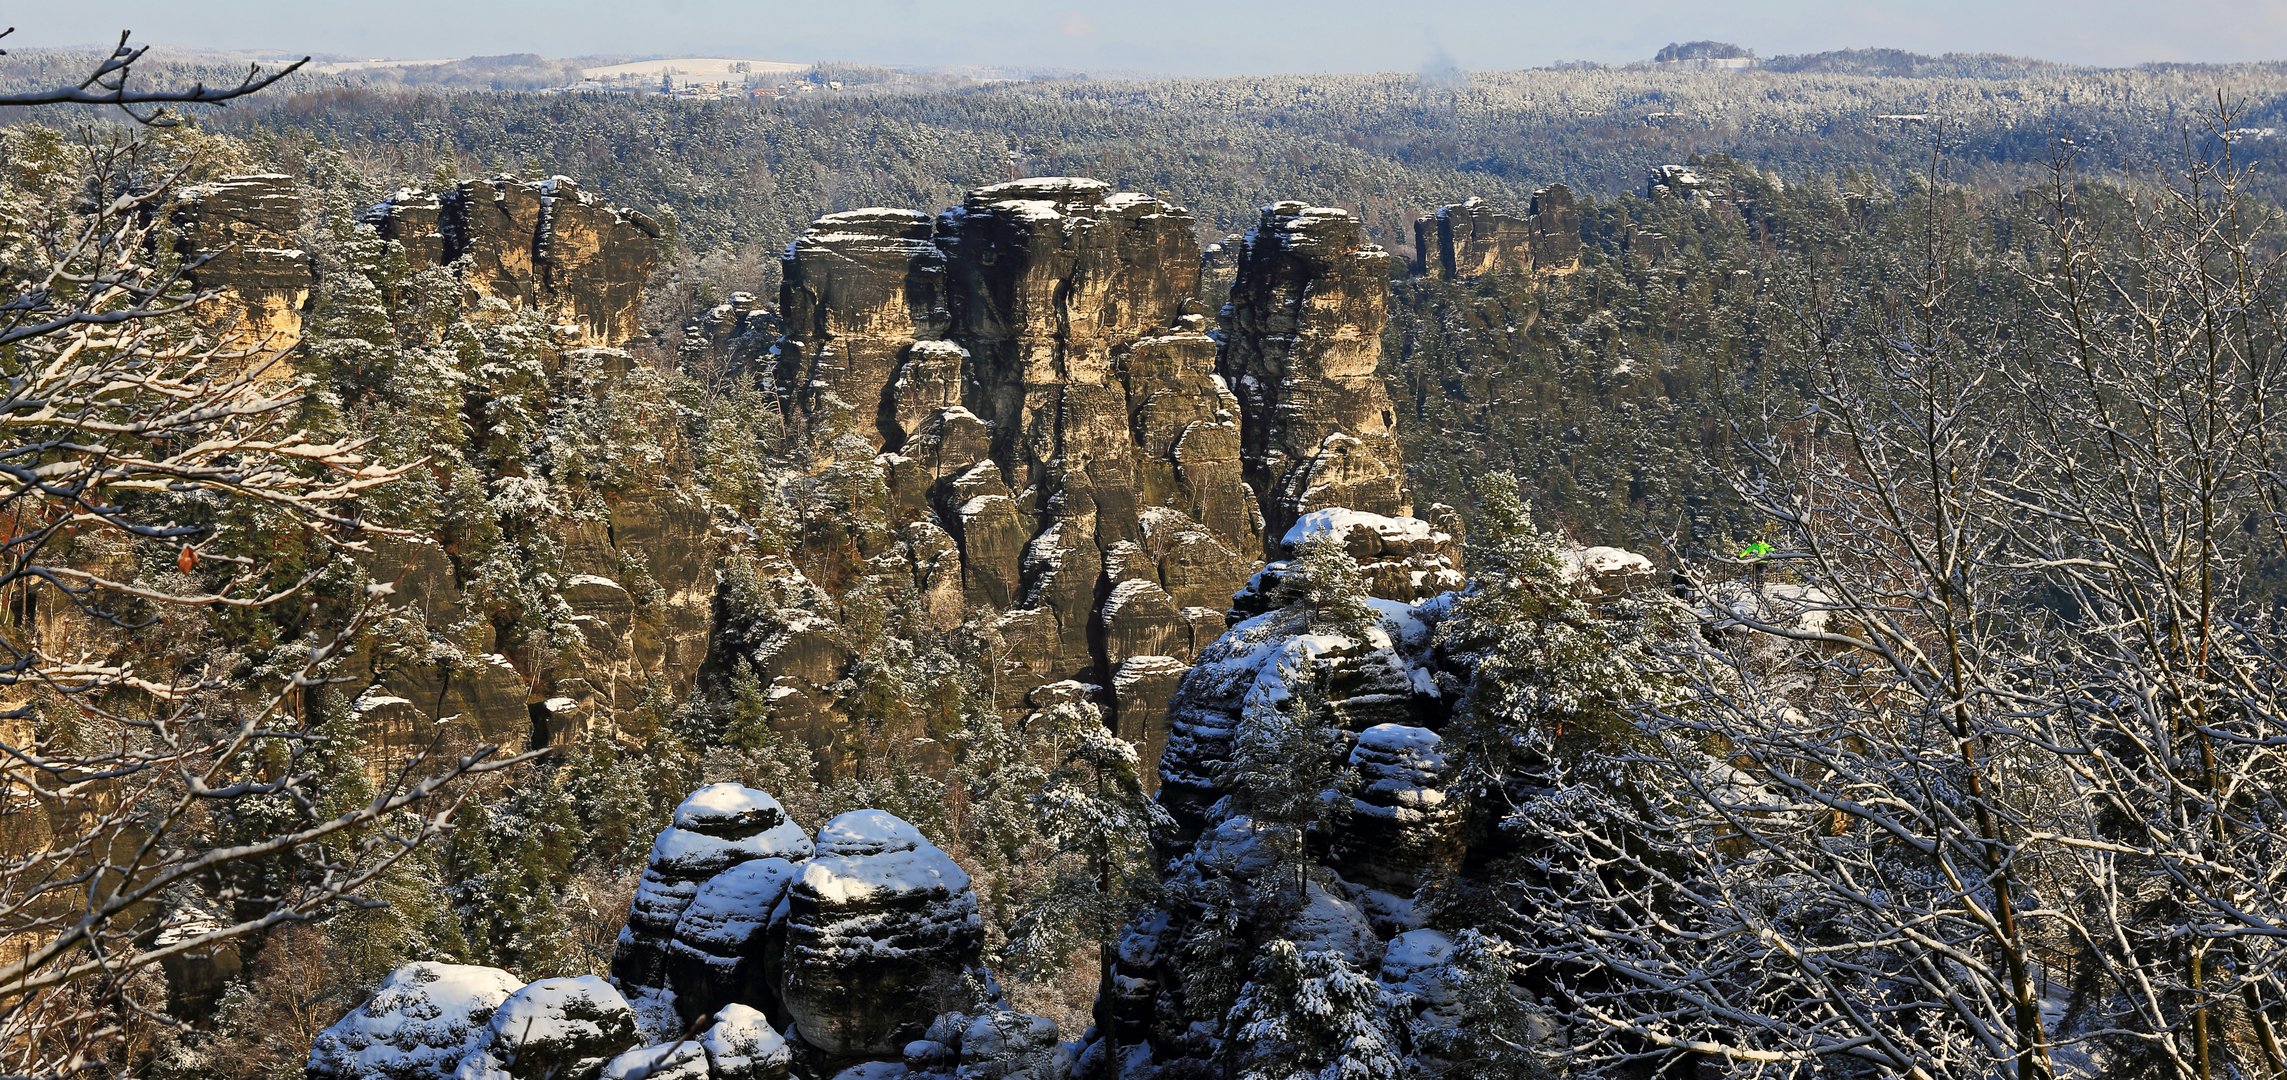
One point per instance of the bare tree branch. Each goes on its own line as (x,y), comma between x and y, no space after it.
(107,84)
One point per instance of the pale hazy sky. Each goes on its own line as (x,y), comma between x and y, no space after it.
(1175,36)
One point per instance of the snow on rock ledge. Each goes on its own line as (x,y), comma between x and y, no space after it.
(553,1029)
(1404,559)
(720,950)
(423,1020)
(718,827)
(880,929)
(739,1046)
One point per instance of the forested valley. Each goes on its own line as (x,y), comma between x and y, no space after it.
(1585,572)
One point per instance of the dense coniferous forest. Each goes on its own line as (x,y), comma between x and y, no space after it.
(1928,723)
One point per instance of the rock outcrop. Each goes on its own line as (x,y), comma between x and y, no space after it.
(1013,412)
(1471,239)
(880,931)
(1012,409)
(1682,182)
(667,950)
(545,246)
(862,948)
(856,954)
(1302,345)
(553,1029)
(240,238)
(423,1020)
(1349,671)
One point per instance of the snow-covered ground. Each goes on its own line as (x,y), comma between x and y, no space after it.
(694,69)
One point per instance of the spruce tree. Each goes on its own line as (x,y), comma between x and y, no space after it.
(1094,824)
(1313,1016)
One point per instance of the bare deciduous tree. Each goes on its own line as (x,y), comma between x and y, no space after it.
(178,606)
(1985,771)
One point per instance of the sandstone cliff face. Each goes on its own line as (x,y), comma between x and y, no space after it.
(1302,341)
(245,228)
(1471,239)
(1027,383)
(1013,409)
(636,576)
(546,246)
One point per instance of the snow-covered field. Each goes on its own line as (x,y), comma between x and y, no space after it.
(698,69)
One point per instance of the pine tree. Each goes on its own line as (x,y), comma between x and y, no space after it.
(1487,1031)
(997,777)
(1095,823)
(1324,581)
(1313,1016)
(1286,772)
(1555,670)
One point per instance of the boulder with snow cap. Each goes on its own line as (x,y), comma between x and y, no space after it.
(1327,922)
(1418,969)
(719,826)
(553,1029)
(1404,559)
(881,930)
(683,1059)
(875,1070)
(742,1045)
(739,1045)
(422,1021)
(719,953)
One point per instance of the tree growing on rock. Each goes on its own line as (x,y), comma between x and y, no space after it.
(176,554)
(1095,823)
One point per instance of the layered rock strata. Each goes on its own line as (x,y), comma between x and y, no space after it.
(879,931)
(729,850)
(239,238)
(1471,239)
(861,947)
(1302,342)
(1014,409)
(545,246)
(1028,383)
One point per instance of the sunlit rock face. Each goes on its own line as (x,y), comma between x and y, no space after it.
(240,239)
(1302,342)
(1016,410)
(544,246)
(1472,239)
(1014,407)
